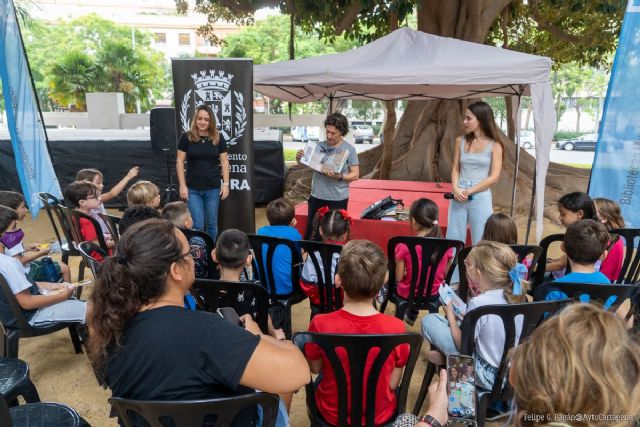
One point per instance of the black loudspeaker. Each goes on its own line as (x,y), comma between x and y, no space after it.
(163,129)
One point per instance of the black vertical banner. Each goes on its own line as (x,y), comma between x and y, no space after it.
(226,85)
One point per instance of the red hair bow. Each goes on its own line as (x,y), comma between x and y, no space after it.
(322,211)
(345,215)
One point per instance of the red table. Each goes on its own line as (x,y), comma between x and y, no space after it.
(364,192)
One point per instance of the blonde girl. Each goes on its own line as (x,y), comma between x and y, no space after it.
(144,193)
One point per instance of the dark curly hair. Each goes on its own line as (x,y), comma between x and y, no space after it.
(136,275)
(135,214)
(339,121)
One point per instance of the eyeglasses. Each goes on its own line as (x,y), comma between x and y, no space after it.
(92,197)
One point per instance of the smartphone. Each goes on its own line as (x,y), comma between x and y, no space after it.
(230,314)
(461,386)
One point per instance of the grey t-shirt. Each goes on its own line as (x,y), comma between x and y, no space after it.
(323,187)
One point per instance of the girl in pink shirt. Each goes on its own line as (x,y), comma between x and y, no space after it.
(610,215)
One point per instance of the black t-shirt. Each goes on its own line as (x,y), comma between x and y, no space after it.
(203,161)
(170,353)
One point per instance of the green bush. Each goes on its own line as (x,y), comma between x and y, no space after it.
(567,134)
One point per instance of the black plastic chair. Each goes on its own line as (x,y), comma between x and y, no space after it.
(40,415)
(357,347)
(18,327)
(212,272)
(113,222)
(630,272)
(263,269)
(330,296)
(192,413)
(213,294)
(15,381)
(51,204)
(522,251)
(419,298)
(589,292)
(88,248)
(538,277)
(532,315)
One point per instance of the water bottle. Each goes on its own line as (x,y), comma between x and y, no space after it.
(50,273)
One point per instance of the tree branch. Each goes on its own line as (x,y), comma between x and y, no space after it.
(348,18)
(534,6)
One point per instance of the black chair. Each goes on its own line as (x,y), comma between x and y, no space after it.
(51,204)
(522,251)
(212,272)
(630,272)
(212,294)
(330,296)
(39,415)
(113,222)
(88,248)
(264,249)
(532,315)
(419,298)
(357,348)
(15,381)
(589,292)
(538,277)
(192,413)
(18,327)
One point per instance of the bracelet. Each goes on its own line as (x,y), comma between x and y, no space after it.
(426,418)
(226,184)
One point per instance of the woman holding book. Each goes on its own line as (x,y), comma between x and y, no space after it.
(330,187)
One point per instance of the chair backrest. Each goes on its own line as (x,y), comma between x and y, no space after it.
(530,315)
(49,201)
(357,348)
(630,272)
(238,295)
(433,250)
(264,250)
(72,219)
(521,251)
(212,272)
(192,413)
(319,252)
(20,322)
(545,243)
(611,296)
(113,222)
(88,248)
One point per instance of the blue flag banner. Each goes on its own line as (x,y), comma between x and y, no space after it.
(25,127)
(616,167)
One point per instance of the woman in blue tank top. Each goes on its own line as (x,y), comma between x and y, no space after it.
(477,161)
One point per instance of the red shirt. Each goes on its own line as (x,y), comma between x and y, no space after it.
(343,322)
(402,254)
(89,234)
(612,264)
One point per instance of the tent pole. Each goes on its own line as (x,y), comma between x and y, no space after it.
(515,173)
(533,196)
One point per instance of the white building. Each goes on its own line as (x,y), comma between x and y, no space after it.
(174,34)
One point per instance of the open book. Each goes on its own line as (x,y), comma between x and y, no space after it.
(447,294)
(320,158)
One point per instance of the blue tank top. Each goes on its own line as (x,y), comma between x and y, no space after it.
(475,166)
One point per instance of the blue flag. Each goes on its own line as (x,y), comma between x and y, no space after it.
(616,167)
(25,127)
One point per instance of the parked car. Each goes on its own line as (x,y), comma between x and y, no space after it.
(527,139)
(362,133)
(304,134)
(584,142)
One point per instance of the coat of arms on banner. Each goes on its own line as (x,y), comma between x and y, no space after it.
(213,89)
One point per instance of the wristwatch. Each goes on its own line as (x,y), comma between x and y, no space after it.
(426,418)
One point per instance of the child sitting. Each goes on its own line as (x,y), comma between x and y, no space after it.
(423,216)
(500,228)
(85,196)
(490,265)
(361,272)
(28,257)
(610,215)
(282,221)
(178,214)
(135,214)
(41,303)
(332,226)
(144,193)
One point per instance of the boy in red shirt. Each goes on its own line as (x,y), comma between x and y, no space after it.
(85,196)
(361,272)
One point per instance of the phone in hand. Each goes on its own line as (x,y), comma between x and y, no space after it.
(230,314)
(461,386)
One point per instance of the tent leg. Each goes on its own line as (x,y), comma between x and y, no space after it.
(533,196)
(517,166)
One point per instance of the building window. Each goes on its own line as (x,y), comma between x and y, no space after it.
(160,38)
(184,39)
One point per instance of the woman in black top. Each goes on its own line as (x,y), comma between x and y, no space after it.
(151,348)
(205,151)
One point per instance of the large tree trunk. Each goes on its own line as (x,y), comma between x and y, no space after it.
(424,137)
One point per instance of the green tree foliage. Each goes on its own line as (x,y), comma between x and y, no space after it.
(101,48)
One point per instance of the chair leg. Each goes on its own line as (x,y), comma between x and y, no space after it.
(481,407)
(29,392)
(287,324)
(424,388)
(401,309)
(13,339)
(383,306)
(3,341)
(81,268)
(75,339)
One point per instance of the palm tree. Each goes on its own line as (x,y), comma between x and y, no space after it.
(71,77)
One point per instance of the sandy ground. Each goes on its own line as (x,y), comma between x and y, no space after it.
(62,376)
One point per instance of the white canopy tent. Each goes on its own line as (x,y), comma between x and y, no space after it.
(413,65)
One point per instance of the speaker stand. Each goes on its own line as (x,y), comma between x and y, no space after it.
(170,193)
